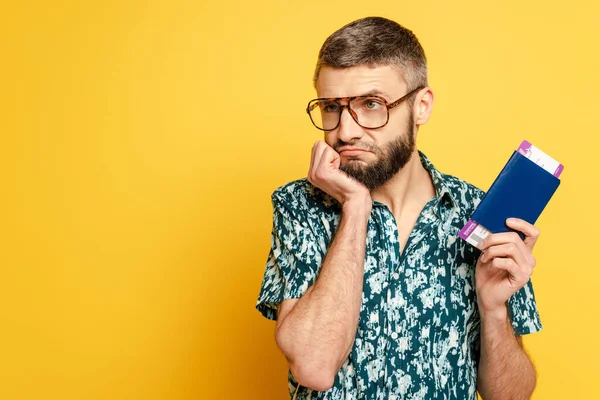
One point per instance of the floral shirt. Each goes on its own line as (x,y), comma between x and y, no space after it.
(418,334)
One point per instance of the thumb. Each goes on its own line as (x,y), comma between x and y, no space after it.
(331,159)
(336,160)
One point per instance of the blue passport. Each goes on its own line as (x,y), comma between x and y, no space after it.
(522,190)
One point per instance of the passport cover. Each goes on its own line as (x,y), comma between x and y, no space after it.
(522,190)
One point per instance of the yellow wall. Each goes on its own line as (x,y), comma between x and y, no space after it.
(141,141)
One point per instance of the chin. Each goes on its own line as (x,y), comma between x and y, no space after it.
(353,163)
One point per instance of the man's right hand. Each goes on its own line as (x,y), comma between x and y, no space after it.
(325,173)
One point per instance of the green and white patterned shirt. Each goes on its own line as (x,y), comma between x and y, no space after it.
(418,334)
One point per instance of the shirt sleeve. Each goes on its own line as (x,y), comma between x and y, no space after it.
(523,311)
(294,258)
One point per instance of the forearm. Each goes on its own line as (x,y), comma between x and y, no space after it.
(318,333)
(505,370)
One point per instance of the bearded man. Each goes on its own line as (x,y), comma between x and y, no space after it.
(374,295)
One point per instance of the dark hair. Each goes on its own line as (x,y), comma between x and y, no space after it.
(375,41)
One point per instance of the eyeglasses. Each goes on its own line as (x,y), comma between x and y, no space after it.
(370,112)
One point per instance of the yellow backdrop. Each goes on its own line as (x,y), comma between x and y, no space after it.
(141,141)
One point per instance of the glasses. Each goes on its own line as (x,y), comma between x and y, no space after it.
(370,112)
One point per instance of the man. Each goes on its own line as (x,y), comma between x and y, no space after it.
(374,295)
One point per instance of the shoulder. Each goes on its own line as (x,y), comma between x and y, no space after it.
(302,196)
(300,208)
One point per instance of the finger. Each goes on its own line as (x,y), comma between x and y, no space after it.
(328,159)
(319,149)
(531,232)
(500,238)
(336,160)
(312,160)
(325,171)
(509,266)
(507,250)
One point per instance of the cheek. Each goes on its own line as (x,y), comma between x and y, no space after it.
(381,142)
(395,127)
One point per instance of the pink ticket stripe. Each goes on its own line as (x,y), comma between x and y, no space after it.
(466,231)
(559,170)
(524,147)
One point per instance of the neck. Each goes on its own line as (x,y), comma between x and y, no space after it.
(409,190)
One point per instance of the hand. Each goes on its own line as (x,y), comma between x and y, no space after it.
(324,172)
(505,265)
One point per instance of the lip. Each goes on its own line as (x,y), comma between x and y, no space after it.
(352,151)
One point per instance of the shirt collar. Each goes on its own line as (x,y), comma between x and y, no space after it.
(445,201)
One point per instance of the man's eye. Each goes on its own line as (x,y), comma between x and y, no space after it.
(330,107)
(372,104)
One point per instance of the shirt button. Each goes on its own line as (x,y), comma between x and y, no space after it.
(394,335)
(396,275)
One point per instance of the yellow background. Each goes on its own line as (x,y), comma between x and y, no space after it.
(141,141)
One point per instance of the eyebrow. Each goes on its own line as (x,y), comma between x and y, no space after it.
(376,92)
(372,92)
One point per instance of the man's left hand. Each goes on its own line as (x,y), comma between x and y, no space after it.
(505,265)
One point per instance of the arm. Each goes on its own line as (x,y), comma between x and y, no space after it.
(505,266)
(316,332)
(505,370)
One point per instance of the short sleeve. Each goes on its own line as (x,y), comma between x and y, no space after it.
(294,258)
(523,311)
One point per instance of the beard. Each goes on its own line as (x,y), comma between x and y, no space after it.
(390,159)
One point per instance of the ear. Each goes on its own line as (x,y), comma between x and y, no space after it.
(423,106)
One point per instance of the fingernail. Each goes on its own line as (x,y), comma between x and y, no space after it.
(511,220)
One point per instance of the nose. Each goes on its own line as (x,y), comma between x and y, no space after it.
(348,129)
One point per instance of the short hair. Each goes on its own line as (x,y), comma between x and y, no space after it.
(374,42)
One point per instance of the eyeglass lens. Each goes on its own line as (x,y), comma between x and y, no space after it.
(369,112)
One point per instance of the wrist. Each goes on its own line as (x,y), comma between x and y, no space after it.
(497,314)
(358,207)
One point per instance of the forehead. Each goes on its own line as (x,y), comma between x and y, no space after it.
(359,80)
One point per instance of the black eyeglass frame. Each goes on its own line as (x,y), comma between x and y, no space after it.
(337,100)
